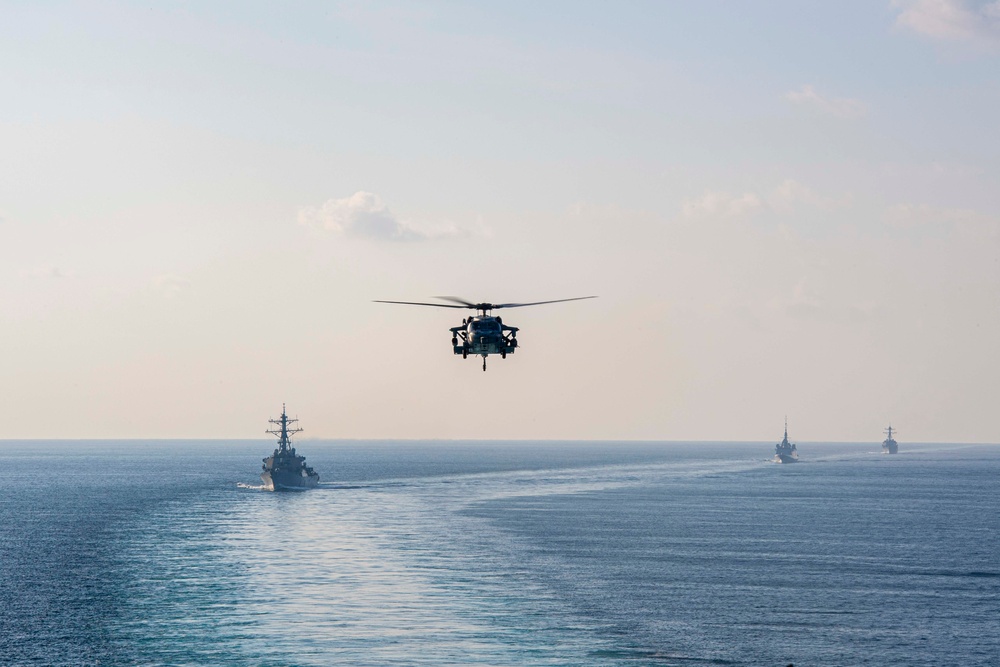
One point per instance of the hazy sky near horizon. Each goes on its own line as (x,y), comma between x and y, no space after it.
(786,207)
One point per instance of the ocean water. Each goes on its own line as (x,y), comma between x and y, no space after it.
(489,553)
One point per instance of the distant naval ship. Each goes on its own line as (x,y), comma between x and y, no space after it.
(285,470)
(889,445)
(784,451)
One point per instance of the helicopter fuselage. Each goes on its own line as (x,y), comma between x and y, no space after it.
(484,335)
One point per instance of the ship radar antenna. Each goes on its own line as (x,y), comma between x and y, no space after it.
(285,428)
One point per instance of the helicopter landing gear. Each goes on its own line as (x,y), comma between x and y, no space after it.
(484,364)
(503,354)
(465,353)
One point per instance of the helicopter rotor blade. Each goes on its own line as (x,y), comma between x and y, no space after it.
(538,303)
(417,303)
(462,303)
(455,299)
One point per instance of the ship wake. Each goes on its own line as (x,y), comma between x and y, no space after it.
(252,487)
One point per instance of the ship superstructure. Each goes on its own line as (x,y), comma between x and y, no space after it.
(889,445)
(784,451)
(285,470)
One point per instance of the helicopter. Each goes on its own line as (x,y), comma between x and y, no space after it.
(482,334)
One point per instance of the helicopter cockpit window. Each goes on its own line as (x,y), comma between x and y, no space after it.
(489,326)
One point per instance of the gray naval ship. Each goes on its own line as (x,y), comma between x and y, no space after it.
(889,445)
(285,470)
(784,451)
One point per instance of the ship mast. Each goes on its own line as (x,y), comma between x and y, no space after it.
(286,427)
(888,432)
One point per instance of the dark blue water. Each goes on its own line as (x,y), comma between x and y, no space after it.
(158,553)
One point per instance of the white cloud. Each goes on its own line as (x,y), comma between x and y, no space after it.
(721,204)
(841,107)
(169,285)
(785,198)
(363,215)
(45,271)
(791,195)
(952,20)
(804,301)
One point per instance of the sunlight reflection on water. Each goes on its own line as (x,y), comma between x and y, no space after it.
(434,554)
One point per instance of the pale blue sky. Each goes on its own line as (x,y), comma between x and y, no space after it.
(786,207)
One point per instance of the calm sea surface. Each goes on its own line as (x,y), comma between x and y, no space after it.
(167,553)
